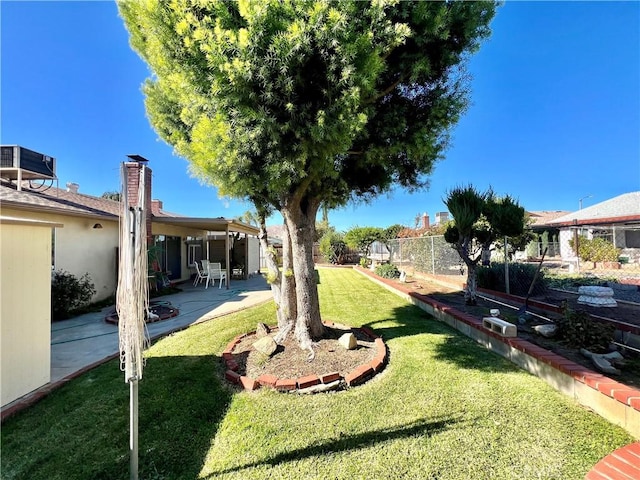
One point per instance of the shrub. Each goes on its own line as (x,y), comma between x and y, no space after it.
(595,250)
(332,247)
(387,270)
(364,262)
(69,293)
(578,330)
(520,278)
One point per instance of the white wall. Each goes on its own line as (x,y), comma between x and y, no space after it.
(25,307)
(80,248)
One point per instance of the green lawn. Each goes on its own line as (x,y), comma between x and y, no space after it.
(444,408)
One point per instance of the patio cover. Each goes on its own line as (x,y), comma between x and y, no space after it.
(212,225)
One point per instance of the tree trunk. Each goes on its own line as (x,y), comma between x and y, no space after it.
(472,284)
(300,219)
(288,291)
(282,286)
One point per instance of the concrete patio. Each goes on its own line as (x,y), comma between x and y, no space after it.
(82,341)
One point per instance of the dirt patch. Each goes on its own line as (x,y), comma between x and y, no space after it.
(290,361)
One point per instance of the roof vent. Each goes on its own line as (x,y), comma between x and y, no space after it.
(72,187)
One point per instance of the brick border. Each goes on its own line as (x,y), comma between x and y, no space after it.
(614,401)
(357,376)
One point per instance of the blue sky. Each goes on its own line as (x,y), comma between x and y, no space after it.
(555,112)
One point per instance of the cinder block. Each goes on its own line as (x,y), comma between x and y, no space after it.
(500,327)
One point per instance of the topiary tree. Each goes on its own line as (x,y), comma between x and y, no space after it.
(479,218)
(306,103)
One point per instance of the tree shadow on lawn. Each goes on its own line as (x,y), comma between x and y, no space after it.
(345,443)
(82,429)
(456,348)
(407,320)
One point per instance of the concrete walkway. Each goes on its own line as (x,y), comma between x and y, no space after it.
(83,342)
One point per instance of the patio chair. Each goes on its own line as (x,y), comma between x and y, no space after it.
(216,272)
(200,274)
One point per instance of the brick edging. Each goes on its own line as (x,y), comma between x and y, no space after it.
(616,402)
(357,376)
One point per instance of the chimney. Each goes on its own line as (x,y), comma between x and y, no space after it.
(72,187)
(156,206)
(425,220)
(135,171)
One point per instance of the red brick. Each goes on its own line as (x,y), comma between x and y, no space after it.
(308,381)
(377,364)
(330,377)
(285,384)
(609,471)
(608,387)
(267,380)
(626,455)
(594,379)
(232,365)
(248,383)
(635,403)
(623,395)
(227,356)
(359,375)
(370,333)
(232,376)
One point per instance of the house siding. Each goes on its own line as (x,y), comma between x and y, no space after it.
(80,248)
(25,307)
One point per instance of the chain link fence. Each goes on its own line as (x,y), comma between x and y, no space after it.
(434,256)
(431,255)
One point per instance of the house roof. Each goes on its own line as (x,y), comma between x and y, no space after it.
(623,209)
(57,200)
(543,217)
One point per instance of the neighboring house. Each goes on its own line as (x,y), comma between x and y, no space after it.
(616,219)
(88,243)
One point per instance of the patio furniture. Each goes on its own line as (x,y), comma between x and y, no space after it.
(201,274)
(216,272)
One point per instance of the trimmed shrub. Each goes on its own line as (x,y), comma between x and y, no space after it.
(520,278)
(69,293)
(578,330)
(387,270)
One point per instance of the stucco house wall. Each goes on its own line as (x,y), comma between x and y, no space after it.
(25,306)
(80,248)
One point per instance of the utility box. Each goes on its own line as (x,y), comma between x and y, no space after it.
(19,163)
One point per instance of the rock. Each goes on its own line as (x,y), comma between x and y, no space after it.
(266,345)
(547,331)
(604,365)
(348,341)
(603,362)
(262,330)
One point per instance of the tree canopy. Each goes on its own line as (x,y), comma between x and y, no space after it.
(298,104)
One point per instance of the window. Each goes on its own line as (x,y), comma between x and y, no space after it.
(194,253)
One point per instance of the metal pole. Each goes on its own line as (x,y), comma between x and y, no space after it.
(506,267)
(133,429)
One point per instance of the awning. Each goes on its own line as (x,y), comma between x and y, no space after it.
(218,224)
